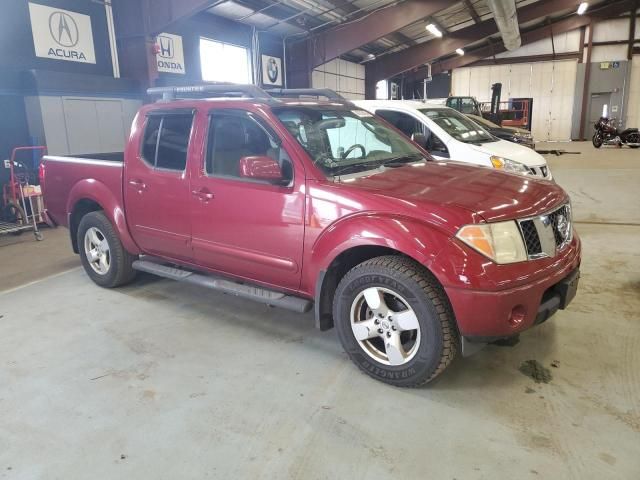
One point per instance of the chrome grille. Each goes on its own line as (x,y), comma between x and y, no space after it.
(547,234)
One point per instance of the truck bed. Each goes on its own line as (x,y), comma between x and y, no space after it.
(66,174)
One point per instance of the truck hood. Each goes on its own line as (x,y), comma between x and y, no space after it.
(512,151)
(492,194)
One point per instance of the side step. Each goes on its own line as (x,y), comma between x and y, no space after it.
(251,292)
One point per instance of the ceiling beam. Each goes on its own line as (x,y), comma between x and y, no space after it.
(472,11)
(343,38)
(161,14)
(561,26)
(391,65)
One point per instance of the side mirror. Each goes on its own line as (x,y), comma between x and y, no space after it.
(261,168)
(420,139)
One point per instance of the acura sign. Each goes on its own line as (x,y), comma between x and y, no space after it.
(61,34)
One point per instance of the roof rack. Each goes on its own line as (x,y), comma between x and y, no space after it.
(219,90)
(305,92)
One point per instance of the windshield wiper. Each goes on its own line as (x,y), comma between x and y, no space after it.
(402,160)
(353,168)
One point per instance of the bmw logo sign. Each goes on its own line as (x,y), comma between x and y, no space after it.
(272,70)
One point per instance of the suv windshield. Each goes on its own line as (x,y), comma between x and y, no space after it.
(344,140)
(458,126)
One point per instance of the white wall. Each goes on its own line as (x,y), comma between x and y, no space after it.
(633,107)
(550,84)
(346,78)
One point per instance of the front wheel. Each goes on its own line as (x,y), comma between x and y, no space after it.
(395,322)
(597,140)
(102,255)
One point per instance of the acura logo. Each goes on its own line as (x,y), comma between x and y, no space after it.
(272,70)
(63,29)
(166,46)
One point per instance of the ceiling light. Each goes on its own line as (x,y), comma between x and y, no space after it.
(459,51)
(434,30)
(371,56)
(582,7)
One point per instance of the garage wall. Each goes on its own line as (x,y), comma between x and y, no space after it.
(550,84)
(346,78)
(71,125)
(633,109)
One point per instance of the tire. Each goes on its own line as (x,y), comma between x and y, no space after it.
(404,287)
(597,140)
(111,264)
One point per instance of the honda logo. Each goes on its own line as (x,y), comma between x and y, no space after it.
(166,46)
(63,29)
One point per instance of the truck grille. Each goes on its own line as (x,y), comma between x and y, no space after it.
(546,234)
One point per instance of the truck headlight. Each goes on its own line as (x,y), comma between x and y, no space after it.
(500,241)
(508,165)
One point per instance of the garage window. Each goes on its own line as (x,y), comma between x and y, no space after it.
(223,62)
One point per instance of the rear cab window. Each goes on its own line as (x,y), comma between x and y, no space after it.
(166,139)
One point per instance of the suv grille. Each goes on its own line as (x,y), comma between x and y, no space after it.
(539,171)
(546,234)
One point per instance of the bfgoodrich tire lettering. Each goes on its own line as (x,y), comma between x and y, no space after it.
(119,271)
(409,281)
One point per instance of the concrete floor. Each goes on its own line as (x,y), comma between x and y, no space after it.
(162,381)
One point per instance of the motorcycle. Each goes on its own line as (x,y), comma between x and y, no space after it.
(607,134)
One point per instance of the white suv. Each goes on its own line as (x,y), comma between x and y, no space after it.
(447,134)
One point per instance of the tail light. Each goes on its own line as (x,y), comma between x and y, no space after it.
(41,169)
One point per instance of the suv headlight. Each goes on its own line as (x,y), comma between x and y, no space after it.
(500,241)
(508,165)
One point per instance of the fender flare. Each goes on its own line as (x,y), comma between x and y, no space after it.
(409,236)
(98,192)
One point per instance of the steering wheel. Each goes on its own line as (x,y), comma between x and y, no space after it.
(352,148)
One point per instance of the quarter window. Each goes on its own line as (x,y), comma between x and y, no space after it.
(166,140)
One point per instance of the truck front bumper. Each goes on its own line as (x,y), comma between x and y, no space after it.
(488,314)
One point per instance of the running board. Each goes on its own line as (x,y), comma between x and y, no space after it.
(251,292)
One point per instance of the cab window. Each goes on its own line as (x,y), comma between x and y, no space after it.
(166,140)
(234,134)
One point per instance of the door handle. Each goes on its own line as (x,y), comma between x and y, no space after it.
(203,194)
(138,184)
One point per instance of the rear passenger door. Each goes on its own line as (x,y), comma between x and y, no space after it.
(156,189)
(244,227)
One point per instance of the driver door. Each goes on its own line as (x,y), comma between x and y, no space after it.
(245,227)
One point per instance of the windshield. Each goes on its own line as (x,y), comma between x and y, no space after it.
(458,126)
(341,140)
(483,121)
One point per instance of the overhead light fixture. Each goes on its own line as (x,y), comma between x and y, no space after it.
(434,30)
(459,51)
(582,7)
(371,56)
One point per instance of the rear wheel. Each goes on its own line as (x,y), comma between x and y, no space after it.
(102,255)
(597,140)
(395,322)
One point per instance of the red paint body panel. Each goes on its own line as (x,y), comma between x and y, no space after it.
(284,236)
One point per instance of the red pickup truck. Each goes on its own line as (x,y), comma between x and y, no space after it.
(301,203)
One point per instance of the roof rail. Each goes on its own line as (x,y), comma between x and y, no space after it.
(215,90)
(304,92)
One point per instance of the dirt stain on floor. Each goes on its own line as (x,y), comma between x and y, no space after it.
(536,371)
